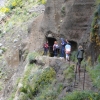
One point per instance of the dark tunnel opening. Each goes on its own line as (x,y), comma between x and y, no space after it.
(51,42)
(73,45)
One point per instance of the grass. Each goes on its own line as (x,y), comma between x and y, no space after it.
(95,74)
(94,36)
(97,2)
(18,15)
(36,84)
(69,73)
(82,95)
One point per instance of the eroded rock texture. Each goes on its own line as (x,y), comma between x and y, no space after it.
(70,19)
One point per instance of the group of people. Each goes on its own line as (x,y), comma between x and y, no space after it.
(64,50)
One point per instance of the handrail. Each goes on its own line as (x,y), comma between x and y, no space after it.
(76,72)
(84,76)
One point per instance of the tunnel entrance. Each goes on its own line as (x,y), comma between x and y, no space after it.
(51,42)
(73,45)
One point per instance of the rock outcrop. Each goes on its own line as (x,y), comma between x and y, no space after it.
(70,19)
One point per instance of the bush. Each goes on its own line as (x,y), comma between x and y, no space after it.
(74,56)
(95,75)
(4,10)
(84,95)
(35,80)
(32,56)
(99,59)
(42,1)
(69,72)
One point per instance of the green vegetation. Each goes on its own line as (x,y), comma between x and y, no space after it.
(17,12)
(1,86)
(97,2)
(34,83)
(31,56)
(37,82)
(73,56)
(94,35)
(69,73)
(42,1)
(95,74)
(63,11)
(84,95)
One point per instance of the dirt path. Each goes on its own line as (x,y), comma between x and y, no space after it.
(84,83)
(75,85)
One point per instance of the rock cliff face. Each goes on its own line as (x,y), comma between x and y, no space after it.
(70,19)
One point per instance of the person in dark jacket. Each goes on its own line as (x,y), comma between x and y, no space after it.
(80,54)
(62,49)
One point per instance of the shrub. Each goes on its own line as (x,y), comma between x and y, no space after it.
(42,1)
(4,10)
(99,59)
(74,56)
(63,11)
(35,80)
(32,56)
(4,49)
(69,72)
(84,95)
(95,75)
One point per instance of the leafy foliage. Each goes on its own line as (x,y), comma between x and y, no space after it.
(36,84)
(84,95)
(4,10)
(69,72)
(74,56)
(32,56)
(95,75)
(94,35)
(17,12)
(42,1)
(99,59)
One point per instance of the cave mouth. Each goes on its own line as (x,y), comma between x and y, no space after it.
(50,43)
(73,45)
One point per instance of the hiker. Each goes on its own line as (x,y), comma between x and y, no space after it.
(55,48)
(46,47)
(67,50)
(62,49)
(80,54)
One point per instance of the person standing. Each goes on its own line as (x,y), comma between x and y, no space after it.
(67,50)
(55,48)
(62,49)
(80,54)
(46,47)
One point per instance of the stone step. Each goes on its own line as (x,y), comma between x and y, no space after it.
(83,7)
(79,24)
(84,3)
(84,0)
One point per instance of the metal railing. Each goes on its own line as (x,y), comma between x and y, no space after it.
(77,71)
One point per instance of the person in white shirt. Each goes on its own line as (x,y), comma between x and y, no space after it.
(67,50)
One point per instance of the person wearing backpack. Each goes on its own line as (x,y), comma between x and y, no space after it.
(46,47)
(67,50)
(80,54)
(55,48)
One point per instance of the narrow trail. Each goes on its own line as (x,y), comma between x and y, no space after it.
(74,86)
(84,83)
